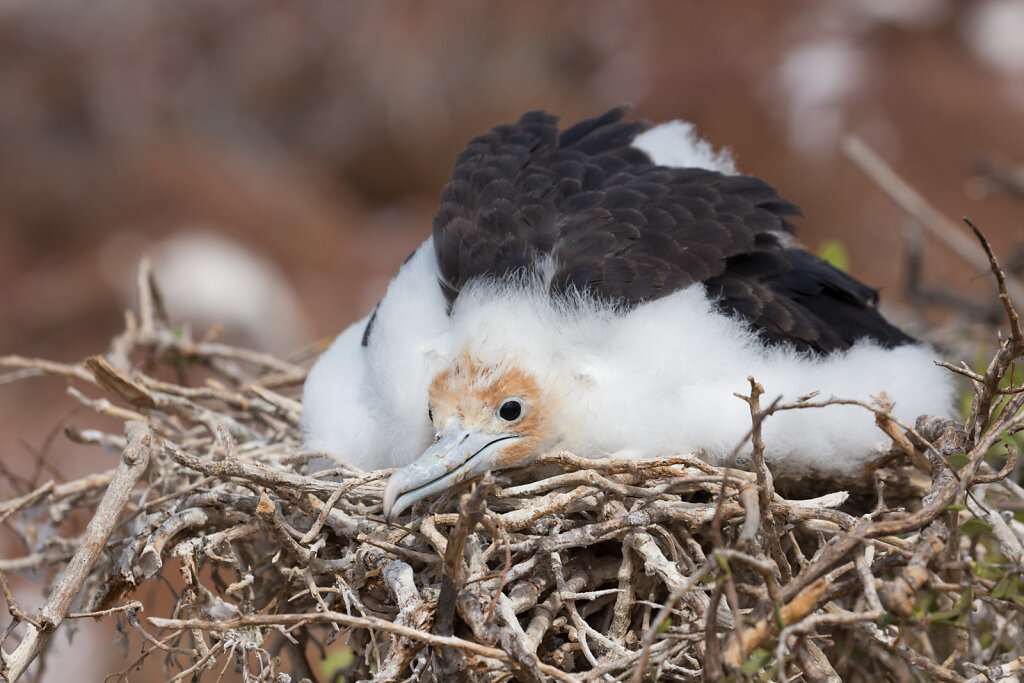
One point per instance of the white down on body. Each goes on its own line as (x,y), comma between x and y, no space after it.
(656,380)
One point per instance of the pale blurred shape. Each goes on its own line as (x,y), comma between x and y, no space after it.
(207,279)
(994,31)
(817,80)
(918,14)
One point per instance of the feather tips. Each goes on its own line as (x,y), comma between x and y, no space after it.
(612,224)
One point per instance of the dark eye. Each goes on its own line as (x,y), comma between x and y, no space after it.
(430,413)
(511,410)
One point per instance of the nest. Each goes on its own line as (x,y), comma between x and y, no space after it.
(572,570)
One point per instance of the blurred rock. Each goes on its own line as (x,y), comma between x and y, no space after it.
(207,280)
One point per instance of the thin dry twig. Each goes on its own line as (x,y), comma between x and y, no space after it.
(134,461)
(911,201)
(572,569)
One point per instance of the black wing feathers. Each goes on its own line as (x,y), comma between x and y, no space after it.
(624,230)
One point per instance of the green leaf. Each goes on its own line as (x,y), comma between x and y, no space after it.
(989,572)
(958,460)
(956,615)
(835,253)
(973,527)
(777,611)
(758,659)
(986,637)
(886,619)
(925,603)
(1004,588)
(342,658)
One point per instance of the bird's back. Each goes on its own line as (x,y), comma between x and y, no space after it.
(592,213)
(639,281)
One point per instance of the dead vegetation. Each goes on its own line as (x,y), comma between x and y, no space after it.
(614,569)
(572,569)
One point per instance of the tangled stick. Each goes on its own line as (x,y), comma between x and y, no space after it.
(668,569)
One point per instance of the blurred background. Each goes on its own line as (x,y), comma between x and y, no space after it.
(279,160)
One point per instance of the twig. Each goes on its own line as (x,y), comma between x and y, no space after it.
(613,569)
(32,367)
(663,614)
(134,461)
(1003,285)
(471,511)
(133,605)
(249,472)
(765,485)
(293,620)
(917,206)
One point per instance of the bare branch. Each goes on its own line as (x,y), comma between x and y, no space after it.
(133,463)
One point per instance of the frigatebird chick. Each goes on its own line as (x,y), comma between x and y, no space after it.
(607,290)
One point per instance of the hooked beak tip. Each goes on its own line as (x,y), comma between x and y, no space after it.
(391,492)
(459,455)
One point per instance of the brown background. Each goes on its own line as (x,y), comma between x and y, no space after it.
(315,137)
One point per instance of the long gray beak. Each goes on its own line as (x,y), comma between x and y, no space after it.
(456,455)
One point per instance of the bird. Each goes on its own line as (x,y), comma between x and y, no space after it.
(608,289)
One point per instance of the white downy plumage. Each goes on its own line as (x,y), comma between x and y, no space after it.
(655,380)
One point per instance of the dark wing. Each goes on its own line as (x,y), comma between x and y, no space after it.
(522,190)
(624,230)
(795,297)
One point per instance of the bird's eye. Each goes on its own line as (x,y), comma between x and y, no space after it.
(511,410)
(430,412)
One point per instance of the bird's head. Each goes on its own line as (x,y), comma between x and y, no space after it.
(485,416)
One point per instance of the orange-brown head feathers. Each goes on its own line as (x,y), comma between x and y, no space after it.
(503,398)
(486,416)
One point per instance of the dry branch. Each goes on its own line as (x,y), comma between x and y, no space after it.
(572,569)
(911,201)
(134,461)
